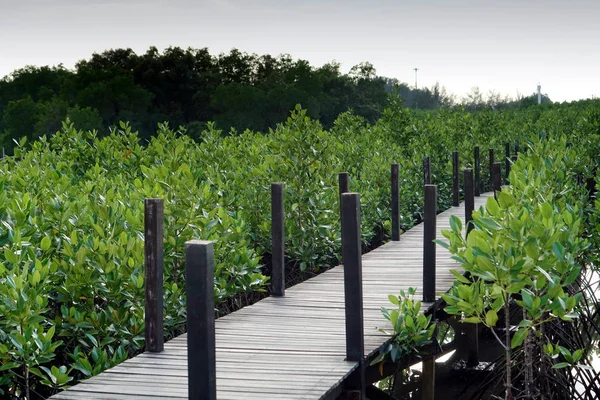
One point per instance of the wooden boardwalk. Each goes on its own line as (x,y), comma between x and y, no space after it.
(290,347)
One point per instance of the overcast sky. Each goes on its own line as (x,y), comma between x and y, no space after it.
(505,45)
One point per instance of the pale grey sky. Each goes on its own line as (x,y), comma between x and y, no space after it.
(508,46)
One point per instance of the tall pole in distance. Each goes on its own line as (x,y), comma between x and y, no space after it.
(416,88)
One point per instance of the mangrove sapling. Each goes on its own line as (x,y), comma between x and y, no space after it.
(522,252)
(86,194)
(411,328)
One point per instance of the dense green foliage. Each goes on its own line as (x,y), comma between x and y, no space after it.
(71,266)
(527,251)
(411,329)
(190,87)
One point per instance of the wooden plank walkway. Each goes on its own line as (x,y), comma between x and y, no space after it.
(290,347)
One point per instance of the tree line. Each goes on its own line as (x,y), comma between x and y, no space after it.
(189,87)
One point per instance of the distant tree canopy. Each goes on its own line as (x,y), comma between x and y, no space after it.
(190,87)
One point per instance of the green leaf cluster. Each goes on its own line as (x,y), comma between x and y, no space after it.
(527,245)
(411,329)
(71,218)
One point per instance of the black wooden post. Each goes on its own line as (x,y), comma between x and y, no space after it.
(427,171)
(199,282)
(469,199)
(395,204)
(472,332)
(153,259)
(344,185)
(429,233)
(428,379)
(491,157)
(471,339)
(344,179)
(496,177)
(477,166)
(516,147)
(455,180)
(467,342)
(353,292)
(506,160)
(277,241)
(428,244)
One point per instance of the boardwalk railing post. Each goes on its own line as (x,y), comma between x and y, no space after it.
(153,259)
(353,291)
(427,171)
(429,232)
(344,187)
(477,166)
(429,227)
(455,180)
(491,157)
(428,380)
(496,177)
(199,269)
(471,340)
(506,160)
(395,204)
(469,199)
(277,241)
(516,147)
